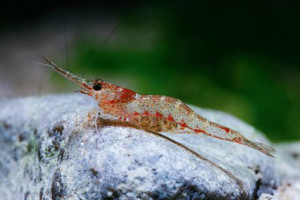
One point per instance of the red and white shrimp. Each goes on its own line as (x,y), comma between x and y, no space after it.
(155,113)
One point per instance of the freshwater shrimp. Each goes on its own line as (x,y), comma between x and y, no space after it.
(155,113)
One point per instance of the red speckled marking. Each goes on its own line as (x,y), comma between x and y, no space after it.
(199,131)
(183,124)
(227,130)
(112,101)
(127,95)
(87,93)
(159,115)
(86,86)
(136,114)
(146,113)
(123,96)
(170,118)
(237,140)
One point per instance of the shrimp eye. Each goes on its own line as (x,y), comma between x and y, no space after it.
(97,86)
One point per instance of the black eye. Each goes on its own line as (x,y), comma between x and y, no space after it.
(97,86)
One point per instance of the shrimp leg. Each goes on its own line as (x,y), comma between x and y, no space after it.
(229,174)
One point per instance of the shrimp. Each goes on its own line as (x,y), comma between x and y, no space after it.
(155,113)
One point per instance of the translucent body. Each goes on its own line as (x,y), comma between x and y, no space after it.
(156,113)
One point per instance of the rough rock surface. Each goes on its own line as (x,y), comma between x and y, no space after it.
(50,148)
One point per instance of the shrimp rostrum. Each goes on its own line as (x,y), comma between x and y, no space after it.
(155,113)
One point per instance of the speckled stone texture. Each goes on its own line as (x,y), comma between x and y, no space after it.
(51,148)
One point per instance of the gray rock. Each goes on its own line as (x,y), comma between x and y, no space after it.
(288,162)
(288,168)
(50,148)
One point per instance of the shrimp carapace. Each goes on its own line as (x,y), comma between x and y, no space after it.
(155,113)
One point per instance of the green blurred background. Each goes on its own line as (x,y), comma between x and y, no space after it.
(239,57)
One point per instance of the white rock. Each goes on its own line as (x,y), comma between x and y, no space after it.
(50,148)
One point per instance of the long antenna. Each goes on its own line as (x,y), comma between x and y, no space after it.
(66,44)
(122,21)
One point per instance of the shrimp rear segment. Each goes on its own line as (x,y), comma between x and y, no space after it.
(167,114)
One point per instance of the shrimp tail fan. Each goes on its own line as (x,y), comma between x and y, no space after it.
(264,148)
